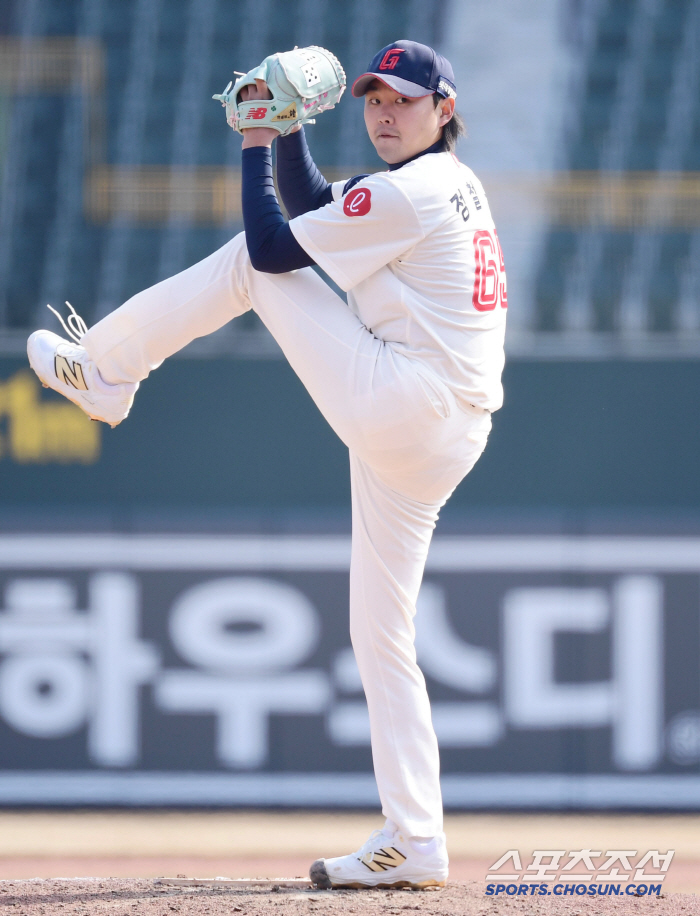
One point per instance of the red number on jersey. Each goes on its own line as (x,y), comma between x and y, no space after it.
(489,273)
(504,284)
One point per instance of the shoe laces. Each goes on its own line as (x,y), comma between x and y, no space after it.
(76,327)
(370,846)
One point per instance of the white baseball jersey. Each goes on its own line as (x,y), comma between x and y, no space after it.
(417,252)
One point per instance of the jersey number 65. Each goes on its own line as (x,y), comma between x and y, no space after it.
(489,273)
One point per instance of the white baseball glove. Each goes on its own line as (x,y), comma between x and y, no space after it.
(303,82)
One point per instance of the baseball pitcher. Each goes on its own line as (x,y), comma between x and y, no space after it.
(407,373)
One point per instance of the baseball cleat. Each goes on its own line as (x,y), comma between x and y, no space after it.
(386,860)
(66,367)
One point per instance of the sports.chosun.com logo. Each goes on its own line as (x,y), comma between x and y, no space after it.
(590,890)
(584,872)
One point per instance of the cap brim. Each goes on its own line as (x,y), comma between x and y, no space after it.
(403,87)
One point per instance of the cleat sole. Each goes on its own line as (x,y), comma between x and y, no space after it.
(319,878)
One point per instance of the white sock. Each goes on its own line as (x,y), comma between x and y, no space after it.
(424,845)
(105,381)
(389,828)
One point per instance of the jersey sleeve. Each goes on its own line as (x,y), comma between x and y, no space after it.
(340,188)
(337,188)
(353,237)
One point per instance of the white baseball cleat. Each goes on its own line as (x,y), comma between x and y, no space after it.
(387,859)
(66,367)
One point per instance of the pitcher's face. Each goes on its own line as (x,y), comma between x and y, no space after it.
(400,127)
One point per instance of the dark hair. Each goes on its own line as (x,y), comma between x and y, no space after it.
(454,129)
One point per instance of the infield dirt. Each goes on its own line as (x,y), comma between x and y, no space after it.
(130,897)
(123,851)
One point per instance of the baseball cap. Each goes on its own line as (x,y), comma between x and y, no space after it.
(410,68)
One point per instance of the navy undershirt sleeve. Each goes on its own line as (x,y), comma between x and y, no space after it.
(271,244)
(302,186)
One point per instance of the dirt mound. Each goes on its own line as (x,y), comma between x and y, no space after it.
(141,897)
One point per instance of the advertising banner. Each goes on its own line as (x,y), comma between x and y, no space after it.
(148,670)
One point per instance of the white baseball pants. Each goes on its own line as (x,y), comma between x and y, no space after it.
(410,445)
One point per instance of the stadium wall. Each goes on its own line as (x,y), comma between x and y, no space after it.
(236,435)
(173,625)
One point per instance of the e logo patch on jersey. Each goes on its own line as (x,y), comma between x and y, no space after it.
(357,202)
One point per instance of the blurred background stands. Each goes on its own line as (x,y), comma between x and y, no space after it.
(117,169)
(630,270)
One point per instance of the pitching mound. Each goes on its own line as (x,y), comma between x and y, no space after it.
(141,897)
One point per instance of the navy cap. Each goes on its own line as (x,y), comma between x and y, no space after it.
(412,69)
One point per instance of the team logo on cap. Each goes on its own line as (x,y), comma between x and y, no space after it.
(357,202)
(391,58)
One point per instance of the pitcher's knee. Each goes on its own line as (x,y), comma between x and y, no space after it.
(392,640)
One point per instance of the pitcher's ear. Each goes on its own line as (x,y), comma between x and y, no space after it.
(447,107)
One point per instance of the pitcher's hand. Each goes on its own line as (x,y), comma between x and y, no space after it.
(257,136)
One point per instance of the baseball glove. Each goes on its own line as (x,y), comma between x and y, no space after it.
(303,82)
